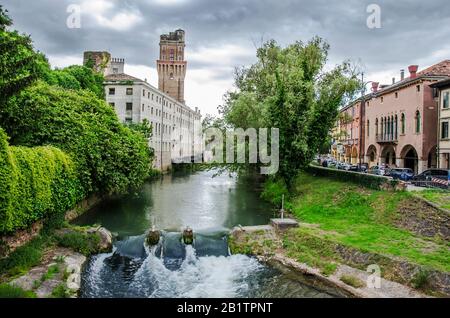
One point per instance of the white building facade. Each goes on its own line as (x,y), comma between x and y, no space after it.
(177,129)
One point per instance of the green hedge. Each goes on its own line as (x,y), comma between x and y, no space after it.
(110,157)
(34,183)
(366,180)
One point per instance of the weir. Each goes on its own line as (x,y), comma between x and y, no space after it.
(171,260)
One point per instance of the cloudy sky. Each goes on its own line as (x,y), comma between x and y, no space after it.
(222,34)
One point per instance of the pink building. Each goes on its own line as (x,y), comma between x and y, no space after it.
(401,120)
(348,134)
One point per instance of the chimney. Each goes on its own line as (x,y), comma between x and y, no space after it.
(375,87)
(402,75)
(413,71)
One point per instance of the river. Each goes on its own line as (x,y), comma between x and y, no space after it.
(211,206)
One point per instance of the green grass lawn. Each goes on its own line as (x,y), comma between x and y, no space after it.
(364,219)
(440,197)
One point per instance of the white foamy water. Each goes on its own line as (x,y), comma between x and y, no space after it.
(197,277)
(97,267)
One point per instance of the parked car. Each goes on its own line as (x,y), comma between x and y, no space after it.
(403,174)
(360,167)
(438,178)
(332,164)
(377,170)
(328,163)
(343,166)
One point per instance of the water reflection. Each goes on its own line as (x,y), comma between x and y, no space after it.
(183,199)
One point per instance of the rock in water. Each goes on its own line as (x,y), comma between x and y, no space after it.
(153,237)
(188,236)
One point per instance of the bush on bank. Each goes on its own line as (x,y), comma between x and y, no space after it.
(366,180)
(34,183)
(110,158)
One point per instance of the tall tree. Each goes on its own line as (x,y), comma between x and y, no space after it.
(287,88)
(19,63)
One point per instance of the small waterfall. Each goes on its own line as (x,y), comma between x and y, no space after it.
(96,269)
(174,270)
(206,276)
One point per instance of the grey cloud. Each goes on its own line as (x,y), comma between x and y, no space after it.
(411,30)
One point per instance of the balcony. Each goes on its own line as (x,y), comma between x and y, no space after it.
(387,139)
(349,142)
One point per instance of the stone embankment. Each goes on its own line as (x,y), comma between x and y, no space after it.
(351,278)
(59,273)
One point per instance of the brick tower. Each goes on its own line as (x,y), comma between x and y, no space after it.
(171,64)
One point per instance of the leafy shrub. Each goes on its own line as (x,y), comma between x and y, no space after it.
(109,157)
(61,291)
(352,281)
(34,183)
(84,243)
(8,291)
(23,258)
(421,279)
(274,190)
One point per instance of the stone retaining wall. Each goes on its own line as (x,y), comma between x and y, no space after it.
(9,243)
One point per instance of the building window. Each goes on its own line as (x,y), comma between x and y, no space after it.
(112,105)
(396,94)
(418,88)
(112,91)
(446,100)
(143,107)
(128,120)
(382,100)
(418,122)
(143,93)
(115,70)
(152,111)
(396,127)
(129,107)
(444,130)
(376,127)
(403,124)
(368,128)
(129,91)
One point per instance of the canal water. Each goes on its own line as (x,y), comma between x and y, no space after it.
(211,206)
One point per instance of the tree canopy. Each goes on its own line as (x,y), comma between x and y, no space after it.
(289,89)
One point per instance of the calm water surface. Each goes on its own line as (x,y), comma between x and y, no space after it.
(211,206)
